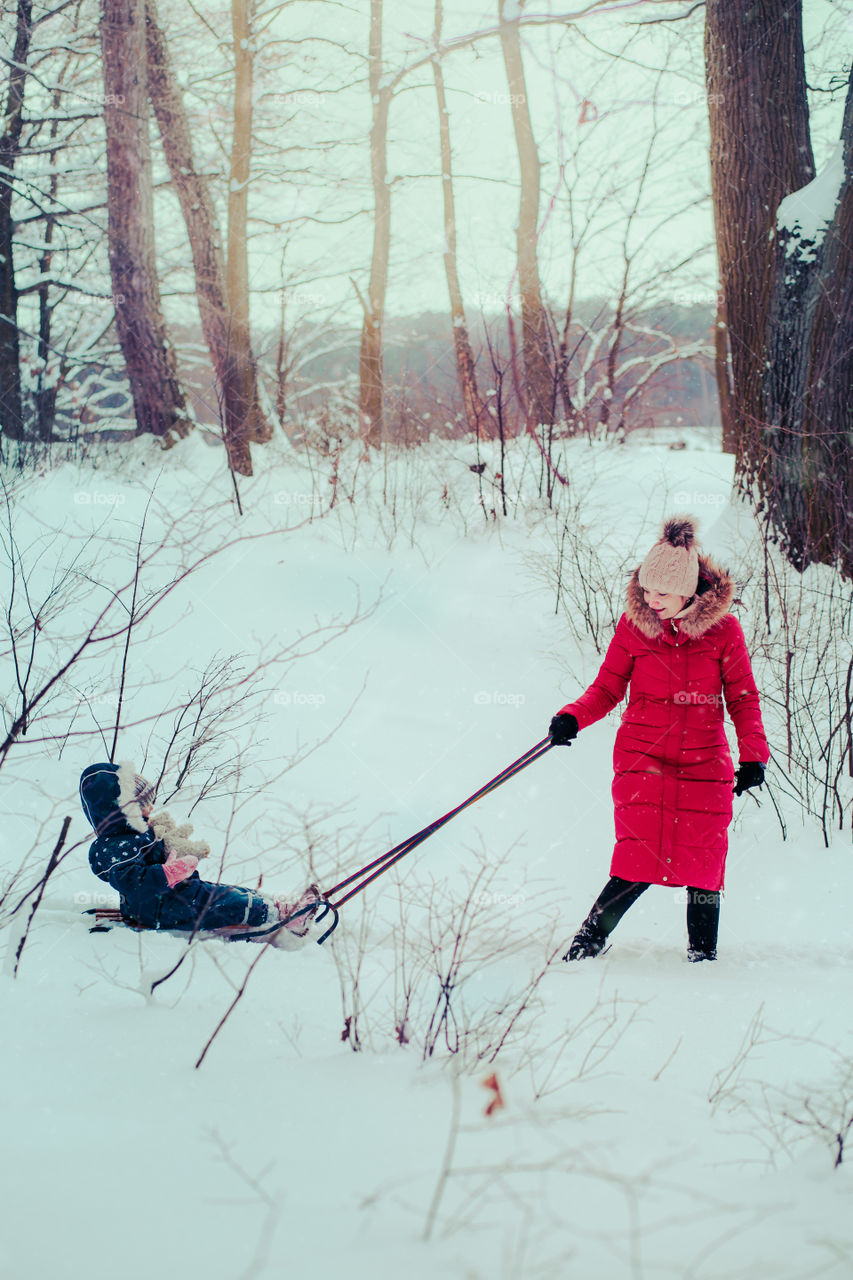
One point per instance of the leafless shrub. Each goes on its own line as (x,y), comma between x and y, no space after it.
(801,641)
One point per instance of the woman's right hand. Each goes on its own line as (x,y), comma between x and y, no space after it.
(563,728)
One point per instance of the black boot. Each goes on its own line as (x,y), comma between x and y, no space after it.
(608,909)
(587,942)
(703,922)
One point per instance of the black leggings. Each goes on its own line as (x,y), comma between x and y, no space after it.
(703,910)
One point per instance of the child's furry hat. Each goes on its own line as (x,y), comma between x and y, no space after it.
(672,565)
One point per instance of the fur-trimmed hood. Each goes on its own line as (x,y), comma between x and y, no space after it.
(708,606)
(108,796)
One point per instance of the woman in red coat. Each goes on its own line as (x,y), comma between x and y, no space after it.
(684,656)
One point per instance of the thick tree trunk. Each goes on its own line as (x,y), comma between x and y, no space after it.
(760,150)
(11,403)
(148,356)
(371,382)
(236,378)
(477,416)
(788,289)
(541,384)
(808,382)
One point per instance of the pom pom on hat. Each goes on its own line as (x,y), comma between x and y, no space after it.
(672,565)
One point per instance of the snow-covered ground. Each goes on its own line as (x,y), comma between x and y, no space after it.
(661,1119)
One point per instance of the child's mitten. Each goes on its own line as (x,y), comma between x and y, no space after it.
(177,838)
(178,869)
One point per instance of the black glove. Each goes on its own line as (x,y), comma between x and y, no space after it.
(750,774)
(563,728)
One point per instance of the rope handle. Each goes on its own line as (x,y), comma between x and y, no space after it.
(372,870)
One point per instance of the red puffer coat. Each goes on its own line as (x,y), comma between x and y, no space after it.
(673,772)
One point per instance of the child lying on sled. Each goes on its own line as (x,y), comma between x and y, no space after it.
(152,865)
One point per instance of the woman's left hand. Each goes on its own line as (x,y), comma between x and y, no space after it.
(750,774)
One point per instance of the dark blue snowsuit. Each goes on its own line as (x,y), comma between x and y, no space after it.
(131,861)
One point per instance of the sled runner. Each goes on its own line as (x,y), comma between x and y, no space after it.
(107,918)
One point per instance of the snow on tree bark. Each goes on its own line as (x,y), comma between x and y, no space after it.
(788,292)
(808,380)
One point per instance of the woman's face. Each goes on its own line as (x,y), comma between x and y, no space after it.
(664,603)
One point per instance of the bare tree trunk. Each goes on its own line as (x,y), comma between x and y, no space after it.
(237,380)
(149,358)
(237,267)
(760,150)
(48,385)
(536,339)
(808,381)
(11,404)
(371,388)
(477,416)
(788,293)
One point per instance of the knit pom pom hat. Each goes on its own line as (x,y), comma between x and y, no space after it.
(672,565)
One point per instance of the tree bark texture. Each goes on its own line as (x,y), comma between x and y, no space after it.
(477,416)
(536,342)
(760,150)
(236,377)
(11,402)
(371,389)
(237,265)
(149,358)
(808,383)
(47,386)
(788,298)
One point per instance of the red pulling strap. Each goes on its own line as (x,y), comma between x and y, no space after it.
(360,879)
